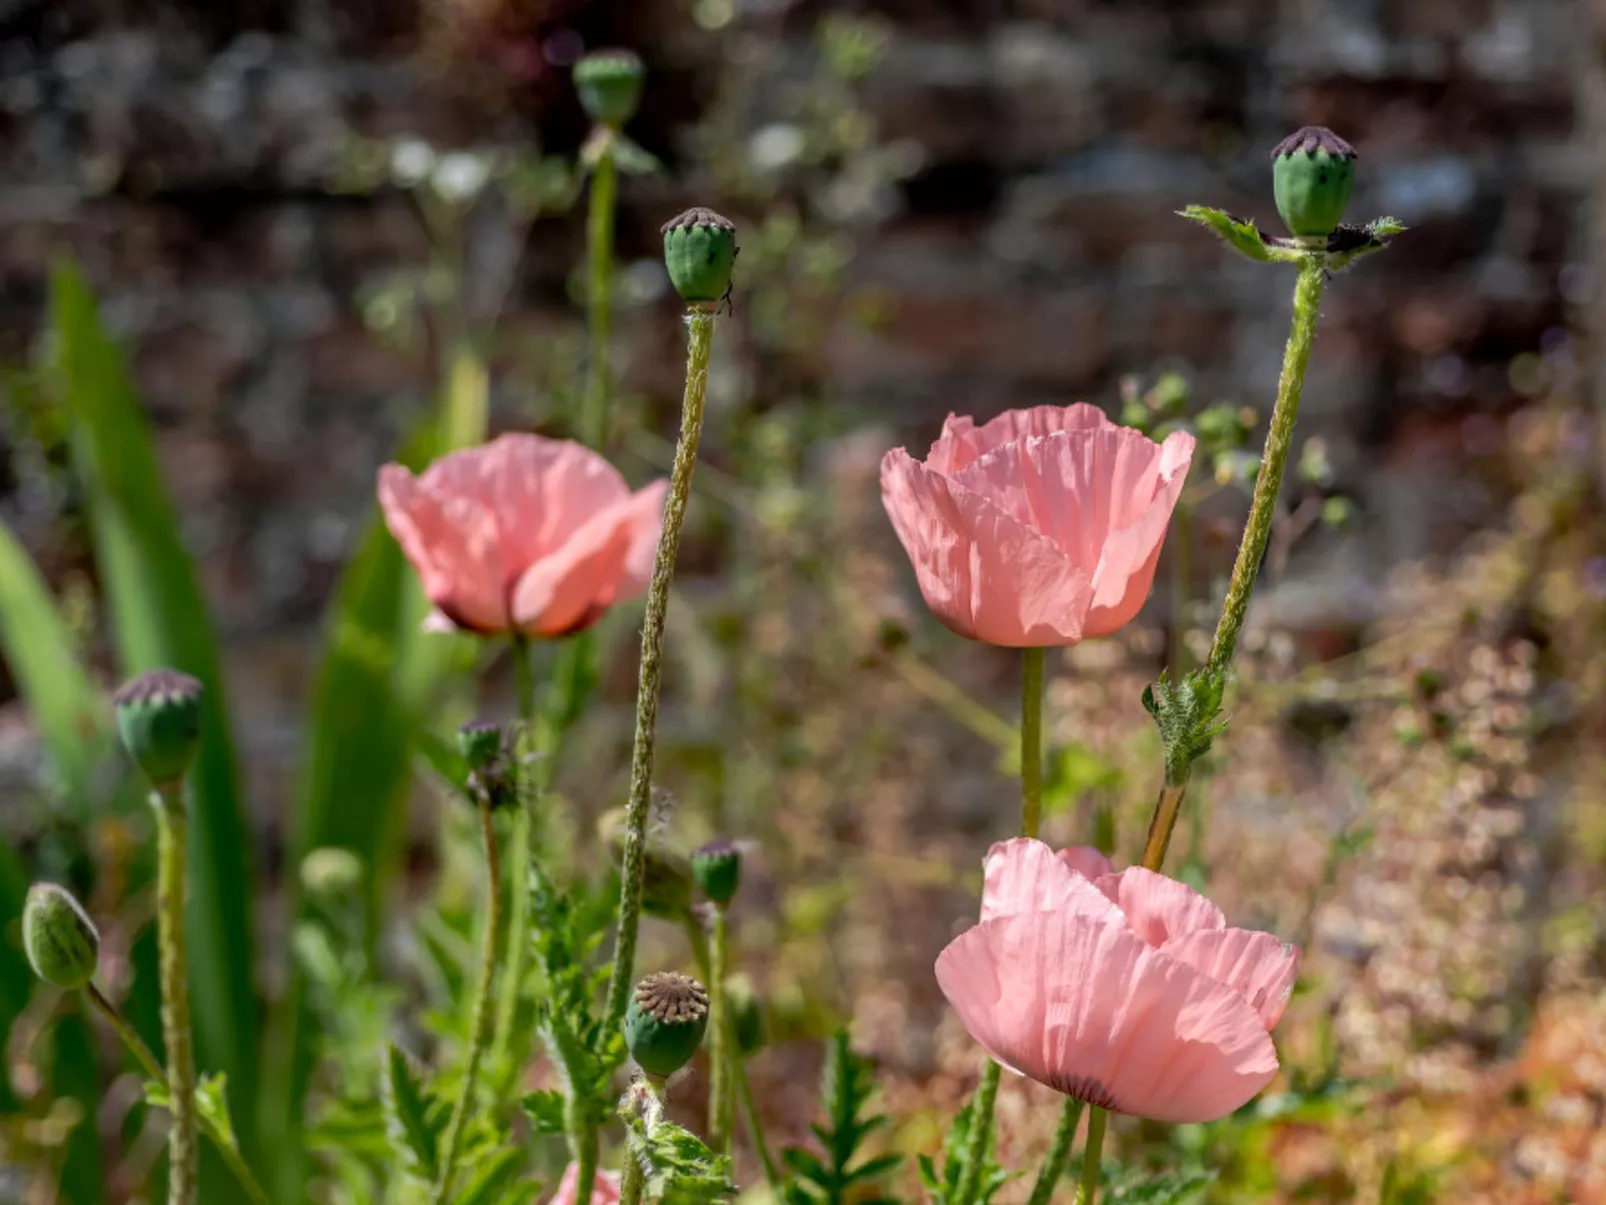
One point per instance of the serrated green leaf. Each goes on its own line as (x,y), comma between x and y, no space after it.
(411,1123)
(545,1110)
(1243,236)
(490,1180)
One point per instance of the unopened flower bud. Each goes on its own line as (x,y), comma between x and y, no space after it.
(717,867)
(609,83)
(665,1022)
(1313,174)
(700,251)
(159,718)
(62,942)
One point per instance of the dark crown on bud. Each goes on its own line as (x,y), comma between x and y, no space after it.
(159,719)
(665,1022)
(717,867)
(700,252)
(1313,174)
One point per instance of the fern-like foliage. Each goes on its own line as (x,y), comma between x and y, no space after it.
(414,1118)
(839,1175)
(942,1182)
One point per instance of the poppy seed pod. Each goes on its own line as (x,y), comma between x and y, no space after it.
(700,251)
(717,867)
(159,719)
(609,83)
(62,942)
(665,1022)
(1313,174)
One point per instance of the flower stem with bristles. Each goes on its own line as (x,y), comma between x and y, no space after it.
(1092,1156)
(480,1027)
(599,298)
(519,855)
(720,1113)
(700,323)
(1059,1153)
(172,833)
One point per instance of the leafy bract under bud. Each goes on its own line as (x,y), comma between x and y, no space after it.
(480,742)
(159,719)
(717,867)
(1313,174)
(665,1022)
(62,942)
(609,83)
(700,251)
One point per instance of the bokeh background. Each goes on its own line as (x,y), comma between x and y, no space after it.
(309,221)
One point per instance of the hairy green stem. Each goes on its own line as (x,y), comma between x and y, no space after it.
(755,1126)
(1059,1153)
(172,834)
(1031,742)
(1092,1156)
(519,856)
(632,1179)
(153,1070)
(719,1031)
(979,1139)
(480,1027)
(583,1149)
(599,300)
(1257,530)
(700,322)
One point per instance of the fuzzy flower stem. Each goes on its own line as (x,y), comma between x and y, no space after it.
(583,1149)
(519,855)
(599,300)
(480,1027)
(632,1179)
(700,324)
(153,1070)
(1092,1156)
(1257,531)
(755,1127)
(720,1045)
(1059,1153)
(172,832)
(979,1139)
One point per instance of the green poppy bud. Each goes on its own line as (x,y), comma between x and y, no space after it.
(1313,174)
(665,1022)
(700,251)
(480,743)
(747,1015)
(717,867)
(609,83)
(159,718)
(62,942)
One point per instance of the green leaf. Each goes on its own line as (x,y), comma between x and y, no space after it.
(212,1102)
(159,618)
(1242,236)
(71,715)
(846,1086)
(545,1110)
(411,1121)
(492,1179)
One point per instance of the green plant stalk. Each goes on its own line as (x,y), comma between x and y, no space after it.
(153,1070)
(583,1149)
(480,1027)
(1092,1156)
(599,297)
(1181,585)
(172,833)
(1059,1153)
(1031,816)
(700,322)
(755,1127)
(720,1050)
(1257,530)
(632,1179)
(519,856)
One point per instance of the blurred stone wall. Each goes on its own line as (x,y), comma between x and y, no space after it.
(185,151)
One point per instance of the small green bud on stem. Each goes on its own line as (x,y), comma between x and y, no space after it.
(665,1022)
(62,942)
(1313,174)
(717,867)
(159,719)
(700,252)
(609,83)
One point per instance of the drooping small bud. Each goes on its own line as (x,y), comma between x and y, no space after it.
(331,871)
(666,878)
(665,1022)
(700,251)
(480,742)
(62,942)
(159,718)
(609,83)
(717,867)
(1313,174)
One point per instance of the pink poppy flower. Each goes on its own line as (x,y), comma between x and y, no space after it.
(527,534)
(1041,527)
(604,1189)
(1126,990)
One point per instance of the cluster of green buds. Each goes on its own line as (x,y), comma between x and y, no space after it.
(665,1022)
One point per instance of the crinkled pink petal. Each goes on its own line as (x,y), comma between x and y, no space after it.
(1086,861)
(1159,908)
(982,573)
(1131,553)
(1258,966)
(538,490)
(1086,1008)
(568,589)
(604,1189)
(452,542)
(1024,875)
(962,441)
(645,533)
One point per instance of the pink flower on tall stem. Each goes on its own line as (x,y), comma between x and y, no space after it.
(1126,990)
(604,1189)
(527,534)
(1042,527)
